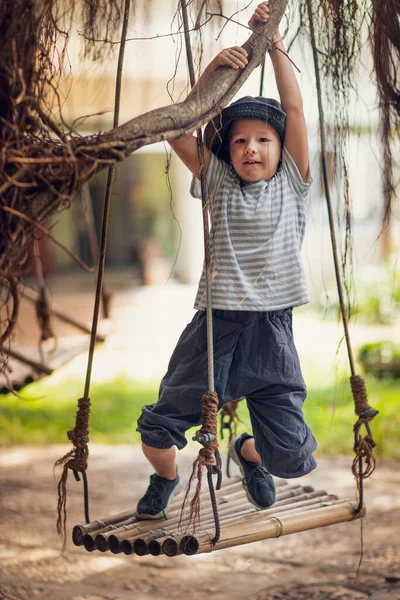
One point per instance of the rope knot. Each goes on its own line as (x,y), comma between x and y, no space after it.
(77,437)
(207,435)
(359,390)
(208,456)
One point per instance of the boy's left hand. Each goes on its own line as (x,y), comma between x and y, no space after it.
(261,15)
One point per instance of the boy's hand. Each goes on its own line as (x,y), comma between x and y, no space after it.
(235,57)
(261,15)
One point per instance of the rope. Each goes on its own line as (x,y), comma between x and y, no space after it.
(262,76)
(42,304)
(43,314)
(207,435)
(363,447)
(77,458)
(94,246)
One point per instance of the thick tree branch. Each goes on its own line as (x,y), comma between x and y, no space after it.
(182,118)
(43,177)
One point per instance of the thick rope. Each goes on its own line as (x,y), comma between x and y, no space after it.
(77,458)
(363,447)
(209,455)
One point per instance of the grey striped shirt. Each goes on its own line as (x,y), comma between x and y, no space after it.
(256,237)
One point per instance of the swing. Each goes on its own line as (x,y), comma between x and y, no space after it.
(224,517)
(30,365)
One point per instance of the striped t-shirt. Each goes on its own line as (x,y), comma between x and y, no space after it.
(256,236)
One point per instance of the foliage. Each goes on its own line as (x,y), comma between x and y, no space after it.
(381,359)
(376,296)
(47,411)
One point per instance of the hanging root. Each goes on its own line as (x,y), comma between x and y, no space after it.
(194,507)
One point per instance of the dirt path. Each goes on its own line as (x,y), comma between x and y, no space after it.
(316,565)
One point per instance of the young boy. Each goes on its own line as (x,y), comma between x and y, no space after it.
(258,180)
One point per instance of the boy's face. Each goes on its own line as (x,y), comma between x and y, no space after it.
(254,150)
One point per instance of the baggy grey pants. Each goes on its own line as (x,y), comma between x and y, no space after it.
(254,357)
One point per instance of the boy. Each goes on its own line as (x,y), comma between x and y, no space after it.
(258,180)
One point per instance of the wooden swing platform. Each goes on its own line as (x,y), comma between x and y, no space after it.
(297,508)
(25,363)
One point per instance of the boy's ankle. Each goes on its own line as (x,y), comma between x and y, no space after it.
(168,475)
(248,452)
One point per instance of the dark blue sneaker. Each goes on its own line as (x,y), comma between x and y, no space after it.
(154,504)
(257,481)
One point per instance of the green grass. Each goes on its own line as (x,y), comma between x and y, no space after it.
(45,410)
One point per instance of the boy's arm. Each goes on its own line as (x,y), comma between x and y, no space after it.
(289,92)
(186,146)
(290,96)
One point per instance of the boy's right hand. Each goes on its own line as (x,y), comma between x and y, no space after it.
(235,57)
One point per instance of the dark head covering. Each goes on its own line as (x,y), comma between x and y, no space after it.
(260,108)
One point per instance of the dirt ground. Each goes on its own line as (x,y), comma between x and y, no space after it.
(313,565)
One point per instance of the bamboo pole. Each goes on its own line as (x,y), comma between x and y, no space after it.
(230,485)
(118,541)
(113,536)
(108,523)
(79,531)
(170,546)
(141,544)
(101,539)
(274,527)
(228,515)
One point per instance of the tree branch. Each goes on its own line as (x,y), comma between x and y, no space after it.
(171,122)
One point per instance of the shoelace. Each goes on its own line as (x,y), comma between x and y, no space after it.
(259,473)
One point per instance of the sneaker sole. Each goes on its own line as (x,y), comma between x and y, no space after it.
(163,513)
(234,456)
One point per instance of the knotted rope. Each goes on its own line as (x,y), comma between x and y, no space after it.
(363,446)
(209,456)
(77,458)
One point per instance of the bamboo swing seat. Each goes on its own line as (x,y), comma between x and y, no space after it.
(297,508)
(26,366)
(225,516)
